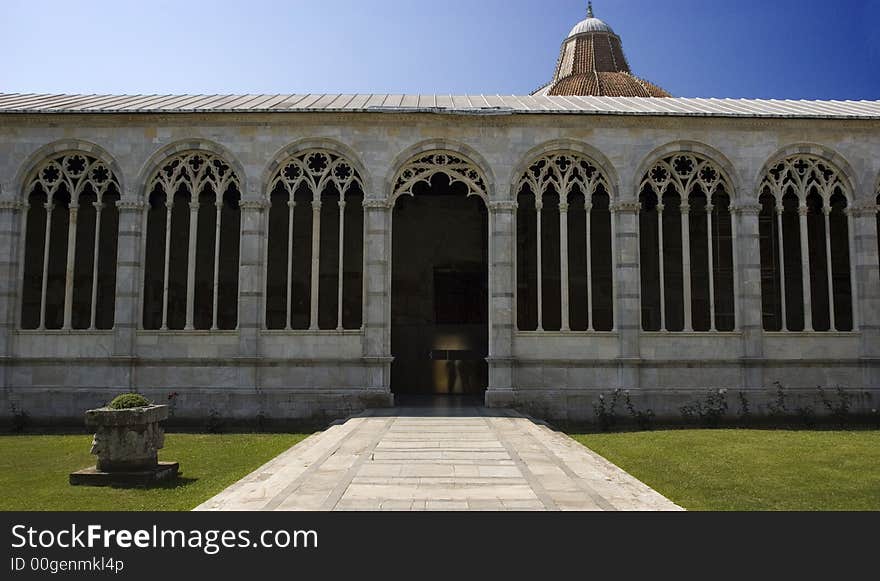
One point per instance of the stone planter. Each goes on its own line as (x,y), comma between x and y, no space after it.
(127,443)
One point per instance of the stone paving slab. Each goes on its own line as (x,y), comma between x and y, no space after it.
(413,459)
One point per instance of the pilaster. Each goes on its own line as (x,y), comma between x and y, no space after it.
(502,285)
(627,302)
(866,293)
(251,287)
(377,292)
(128,282)
(10,239)
(747,247)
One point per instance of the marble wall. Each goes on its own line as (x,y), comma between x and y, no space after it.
(56,375)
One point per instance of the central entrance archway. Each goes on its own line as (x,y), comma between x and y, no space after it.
(439,287)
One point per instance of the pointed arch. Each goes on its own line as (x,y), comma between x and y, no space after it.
(565,279)
(71,234)
(439,237)
(314,261)
(806,195)
(688,269)
(193,192)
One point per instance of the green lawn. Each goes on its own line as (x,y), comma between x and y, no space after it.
(34,471)
(751,469)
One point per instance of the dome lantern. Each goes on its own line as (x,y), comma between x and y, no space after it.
(592,62)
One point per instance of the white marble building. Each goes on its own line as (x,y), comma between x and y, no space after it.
(292,256)
(64,351)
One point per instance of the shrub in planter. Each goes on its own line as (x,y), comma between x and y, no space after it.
(127,401)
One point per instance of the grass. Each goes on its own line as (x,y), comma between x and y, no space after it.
(751,469)
(34,471)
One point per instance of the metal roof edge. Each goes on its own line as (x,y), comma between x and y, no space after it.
(461,105)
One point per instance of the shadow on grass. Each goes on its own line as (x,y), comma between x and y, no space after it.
(181,482)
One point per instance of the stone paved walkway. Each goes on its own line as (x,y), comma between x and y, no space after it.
(421,459)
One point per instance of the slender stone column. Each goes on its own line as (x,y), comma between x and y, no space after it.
(48,238)
(805,269)
(711,251)
(563,262)
(826,209)
(686,264)
(615,320)
(191,260)
(341,268)
(316,263)
(747,288)
(291,206)
(169,207)
(218,204)
(251,279)
(780,211)
(662,276)
(71,258)
(94,301)
(502,305)
(588,207)
(734,235)
(539,205)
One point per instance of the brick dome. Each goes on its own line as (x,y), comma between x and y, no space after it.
(592,62)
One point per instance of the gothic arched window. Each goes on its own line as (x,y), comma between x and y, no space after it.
(192,244)
(805,251)
(70,244)
(564,257)
(314,276)
(686,238)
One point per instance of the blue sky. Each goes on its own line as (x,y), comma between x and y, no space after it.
(801,49)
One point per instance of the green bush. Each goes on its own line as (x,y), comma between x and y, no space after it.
(127,401)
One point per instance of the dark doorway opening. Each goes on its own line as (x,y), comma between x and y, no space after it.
(439,292)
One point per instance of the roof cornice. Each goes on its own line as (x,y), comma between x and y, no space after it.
(472,105)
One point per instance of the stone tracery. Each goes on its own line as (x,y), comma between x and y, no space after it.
(425,166)
(317,169)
